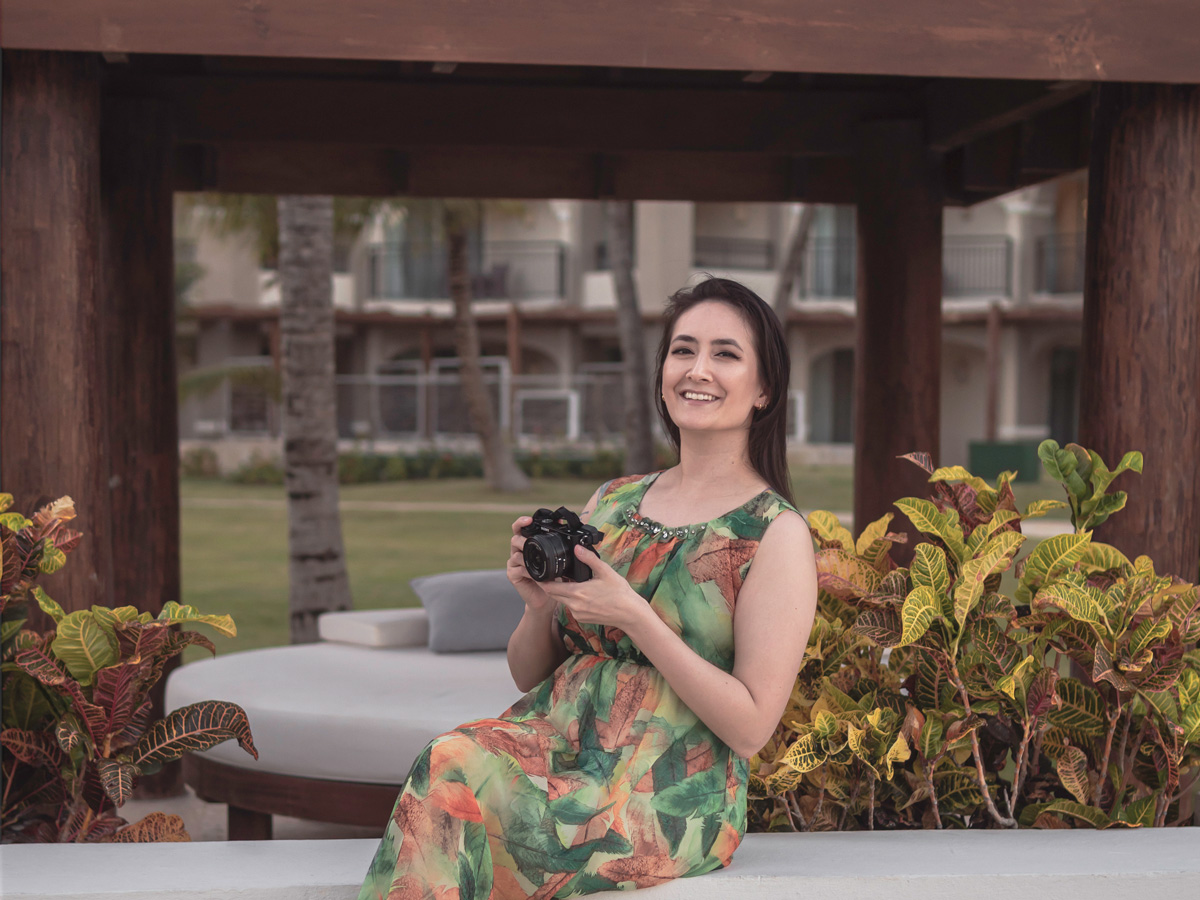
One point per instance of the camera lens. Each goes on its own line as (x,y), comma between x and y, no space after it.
(545,556)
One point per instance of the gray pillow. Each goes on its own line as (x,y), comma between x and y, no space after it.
(476,610)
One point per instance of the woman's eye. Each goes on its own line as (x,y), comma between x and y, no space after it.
(680,351)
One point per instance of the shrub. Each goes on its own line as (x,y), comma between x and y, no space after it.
(927,697)
(199,462)
(258,470)
(77,732)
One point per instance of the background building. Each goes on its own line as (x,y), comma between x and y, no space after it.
(1012,285)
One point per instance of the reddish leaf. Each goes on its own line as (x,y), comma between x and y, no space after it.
(117,778)
(155,828)
(35,748)
(1040,697)
(920,458)
(42,666)
(116,692)
(192,729)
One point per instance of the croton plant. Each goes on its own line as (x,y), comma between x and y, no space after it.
(931,695)
(77,729)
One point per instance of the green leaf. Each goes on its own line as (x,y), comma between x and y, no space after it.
(959,473)
(825,725)
(984,531)
(1078,604)
(1048,454)
(1188,688)
(926,518)
(929,569)
(176,614)
(1051,557)
(1190,720)
(6,501)
(1163,703)
(192,729)
(1150,631)
(48,606)
(929,741)
(1140,812)
(1073,773)
(84,646)
(995,557)
(1104,507)
(1082,709)
(1094,817)
(1100,557)
(920,608)
(1016,684)
(52,559)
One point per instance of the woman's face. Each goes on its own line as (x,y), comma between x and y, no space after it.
(710,374)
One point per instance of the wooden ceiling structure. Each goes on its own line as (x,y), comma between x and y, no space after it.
(109,106)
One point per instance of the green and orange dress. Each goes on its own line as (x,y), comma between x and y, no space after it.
(600,778)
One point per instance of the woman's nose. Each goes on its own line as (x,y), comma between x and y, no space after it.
(700,369)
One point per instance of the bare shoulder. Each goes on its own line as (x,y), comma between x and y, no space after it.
(787,531)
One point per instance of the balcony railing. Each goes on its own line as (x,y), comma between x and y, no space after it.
(500,270)
(972,266)
(733,253)
(1058,264)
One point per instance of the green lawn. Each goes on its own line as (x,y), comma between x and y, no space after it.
(235,559)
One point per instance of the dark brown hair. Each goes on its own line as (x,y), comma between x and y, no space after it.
(768,427)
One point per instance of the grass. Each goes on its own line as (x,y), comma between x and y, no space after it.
(235,559)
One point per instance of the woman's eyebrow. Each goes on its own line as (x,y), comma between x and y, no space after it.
(691,340)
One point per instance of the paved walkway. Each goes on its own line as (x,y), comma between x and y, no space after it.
(1034,528)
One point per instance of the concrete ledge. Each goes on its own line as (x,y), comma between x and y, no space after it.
(1149,863)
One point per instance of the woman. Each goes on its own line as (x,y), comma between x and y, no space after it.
(625,764)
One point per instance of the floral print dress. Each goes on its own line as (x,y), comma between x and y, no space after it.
(599,778)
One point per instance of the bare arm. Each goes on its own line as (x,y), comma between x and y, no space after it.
(535,649)
(775,611)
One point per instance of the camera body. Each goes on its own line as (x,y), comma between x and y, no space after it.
(550,545)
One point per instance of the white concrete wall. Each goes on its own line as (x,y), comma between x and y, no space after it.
(1115,864)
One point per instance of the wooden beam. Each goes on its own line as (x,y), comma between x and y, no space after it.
(138,299)
(990,163)
(530,116)
(961,111)
(1056,142)
(1046,39)
(282,168)
(55,366)
(898,351)
(1141,330)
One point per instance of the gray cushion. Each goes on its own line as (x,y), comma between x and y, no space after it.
(475,610)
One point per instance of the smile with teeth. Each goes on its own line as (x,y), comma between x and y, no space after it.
(693,395)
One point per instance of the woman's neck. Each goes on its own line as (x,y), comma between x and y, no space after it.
(705,464)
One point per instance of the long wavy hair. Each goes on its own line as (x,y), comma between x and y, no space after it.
(768,426)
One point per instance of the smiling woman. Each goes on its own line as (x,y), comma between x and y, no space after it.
(650,683)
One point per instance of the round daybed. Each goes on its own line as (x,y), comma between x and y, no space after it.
(338,723)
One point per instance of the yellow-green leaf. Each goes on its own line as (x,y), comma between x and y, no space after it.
(984,531)
(1140,812)
(928,520)
(1039,508)
(84,646)
(920,608)
(872,533)
(1147,633)
(52,559)
(930,739)
(48,606)
(1017,683)
(1076,603)
(6,500)
(1188,688)
(1073,773)
(825,725)
(995,557)
(899,752)
(1094,817)
(828,527)
(929,569)
(959,473)
(175,614)
(1051,557)
(802,755)
(14,521)
(1082,709)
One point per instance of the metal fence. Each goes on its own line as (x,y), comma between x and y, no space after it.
(500,270)
(1058,264)
(972,266)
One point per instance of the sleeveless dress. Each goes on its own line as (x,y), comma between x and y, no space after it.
(600,778)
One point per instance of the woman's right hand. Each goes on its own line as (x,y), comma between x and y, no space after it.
(531,591)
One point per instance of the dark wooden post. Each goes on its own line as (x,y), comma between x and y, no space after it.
(897,369)
(1140,384)
(54,372)
(138,299)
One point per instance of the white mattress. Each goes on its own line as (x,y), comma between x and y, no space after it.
(345,712)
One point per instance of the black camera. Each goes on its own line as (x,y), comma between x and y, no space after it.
(550,545)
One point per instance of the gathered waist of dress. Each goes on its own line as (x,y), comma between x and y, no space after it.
(635,657)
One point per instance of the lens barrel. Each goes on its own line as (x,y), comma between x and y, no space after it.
(546,557)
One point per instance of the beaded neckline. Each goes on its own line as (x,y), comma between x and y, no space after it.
(666,533)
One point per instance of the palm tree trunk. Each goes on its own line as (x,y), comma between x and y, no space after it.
(635,374)
(499,467)
(316,558)
(793,260)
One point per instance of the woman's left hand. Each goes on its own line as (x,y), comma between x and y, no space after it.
(604,599)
